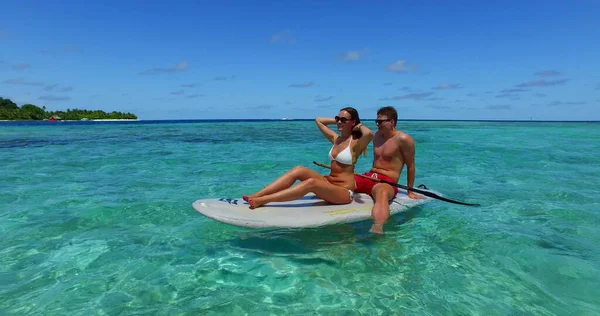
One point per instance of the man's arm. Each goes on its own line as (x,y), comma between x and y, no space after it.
(407,149)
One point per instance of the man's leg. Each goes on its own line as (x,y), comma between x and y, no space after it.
(382,194)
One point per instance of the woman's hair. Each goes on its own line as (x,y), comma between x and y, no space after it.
(354,116)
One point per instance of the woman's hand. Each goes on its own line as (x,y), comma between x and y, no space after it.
(356,127)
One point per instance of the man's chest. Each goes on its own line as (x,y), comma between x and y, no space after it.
(385,149)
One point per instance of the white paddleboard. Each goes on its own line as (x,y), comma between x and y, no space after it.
(308,211)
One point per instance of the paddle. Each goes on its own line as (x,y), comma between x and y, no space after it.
(429,194)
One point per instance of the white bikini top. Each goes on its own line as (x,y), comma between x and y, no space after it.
(344,157)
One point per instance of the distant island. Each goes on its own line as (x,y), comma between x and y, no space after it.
(9,111)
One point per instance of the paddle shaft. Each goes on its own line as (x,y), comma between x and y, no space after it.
(429,194)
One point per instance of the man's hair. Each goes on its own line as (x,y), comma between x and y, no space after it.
(390,112)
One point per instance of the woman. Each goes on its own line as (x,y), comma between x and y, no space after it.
(338,186)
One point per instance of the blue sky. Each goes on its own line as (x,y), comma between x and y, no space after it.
(300,59)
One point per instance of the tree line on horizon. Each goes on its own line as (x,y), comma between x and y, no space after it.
(11,111)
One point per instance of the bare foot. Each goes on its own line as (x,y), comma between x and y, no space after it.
(253,195)
(254,202)
(376,229)
(248,197)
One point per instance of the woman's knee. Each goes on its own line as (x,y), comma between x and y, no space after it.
(311,183)
(298,170)
(303,173)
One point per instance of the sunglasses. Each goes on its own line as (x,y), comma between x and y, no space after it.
(342,119)
(381,121)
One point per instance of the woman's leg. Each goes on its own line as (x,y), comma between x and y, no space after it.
(287,180)
(322,189)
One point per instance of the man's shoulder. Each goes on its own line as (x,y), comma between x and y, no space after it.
(403,138)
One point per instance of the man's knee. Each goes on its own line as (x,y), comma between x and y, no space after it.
(382,192)
(382,196)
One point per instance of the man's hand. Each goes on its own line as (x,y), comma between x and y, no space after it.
(414,196)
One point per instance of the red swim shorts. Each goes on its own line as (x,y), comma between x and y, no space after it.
(366,186)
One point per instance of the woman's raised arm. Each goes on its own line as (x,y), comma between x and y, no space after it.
(322,123)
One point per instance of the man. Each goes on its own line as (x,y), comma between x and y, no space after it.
(392,150)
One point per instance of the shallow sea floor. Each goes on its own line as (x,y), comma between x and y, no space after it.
(97,219)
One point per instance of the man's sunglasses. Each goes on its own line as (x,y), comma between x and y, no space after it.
(381,121)
(341,119)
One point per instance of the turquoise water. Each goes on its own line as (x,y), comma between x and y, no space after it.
(97,219)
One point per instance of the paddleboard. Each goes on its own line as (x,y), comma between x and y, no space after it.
(308,211)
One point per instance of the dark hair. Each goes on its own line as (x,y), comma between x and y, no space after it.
(353,116)
(390,112)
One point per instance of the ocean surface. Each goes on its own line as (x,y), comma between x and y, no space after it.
(97,219)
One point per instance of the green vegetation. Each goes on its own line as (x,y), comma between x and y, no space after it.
(10,111)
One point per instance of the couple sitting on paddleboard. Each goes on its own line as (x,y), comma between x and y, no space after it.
(392,150)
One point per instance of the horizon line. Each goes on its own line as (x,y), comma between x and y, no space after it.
(369,119)
(289,119)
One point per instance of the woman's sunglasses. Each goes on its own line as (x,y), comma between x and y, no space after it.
(341,119)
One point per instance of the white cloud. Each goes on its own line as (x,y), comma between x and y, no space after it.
(261,107)
(54,98)
(542,83)
(547,73)
(352,55)
(561,103)
(498,107)
(223,78)
(401,66)
(301,85)
(439,107)
(21,66)
(282,37)
(322,98)
(514,90)
(190,85)
(177,68)
(20,81)
(67,48)
(51,87)
(410,96)
(447,86)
